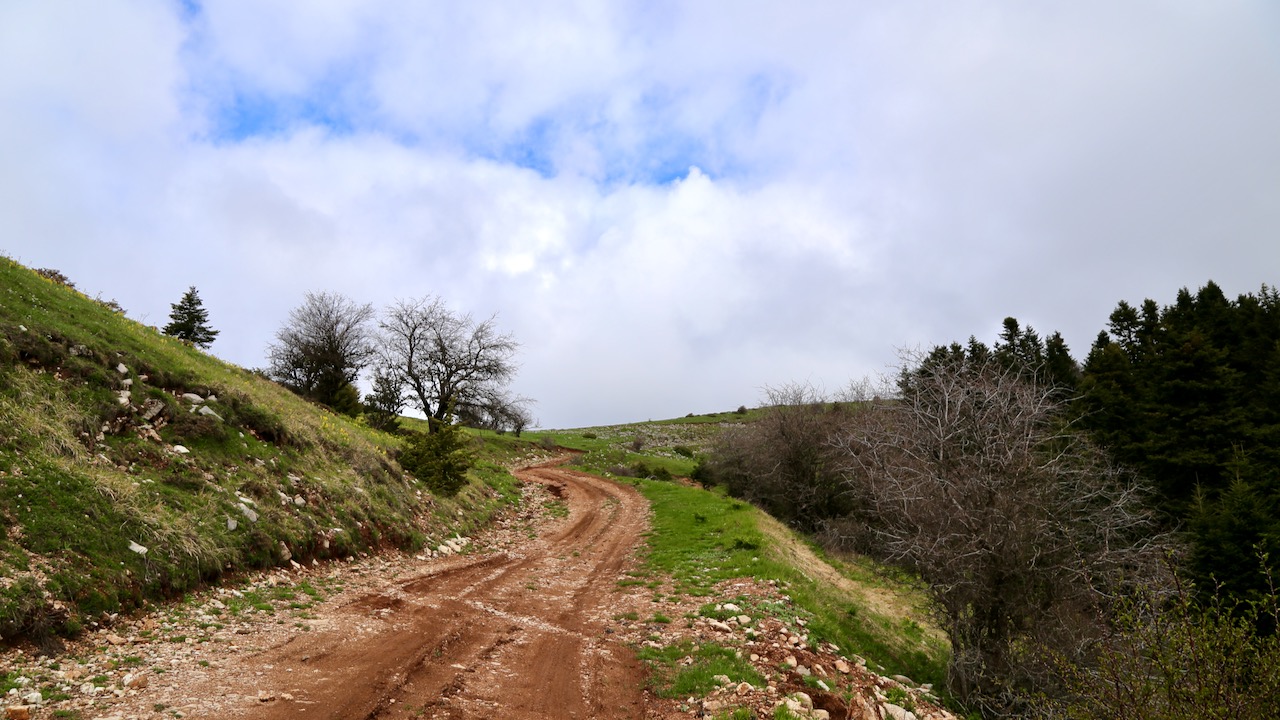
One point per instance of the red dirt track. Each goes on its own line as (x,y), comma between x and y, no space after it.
(510,635)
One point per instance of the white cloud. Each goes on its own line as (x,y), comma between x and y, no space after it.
(868,177)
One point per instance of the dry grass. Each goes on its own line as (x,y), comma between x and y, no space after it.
(36,416)
(888,601)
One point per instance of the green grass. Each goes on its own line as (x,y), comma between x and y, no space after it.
(672,679)
(700,538)
(86,483)
(557,508)
(727,543)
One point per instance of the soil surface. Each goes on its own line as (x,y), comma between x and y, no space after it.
(516,634)
(513,626)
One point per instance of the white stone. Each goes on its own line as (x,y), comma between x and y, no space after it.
(140,549)
(899,713)
(192,398)
(122,369)
(248,512)
(180,449)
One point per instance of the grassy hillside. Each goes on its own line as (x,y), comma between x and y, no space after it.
(134,467)
(702,537)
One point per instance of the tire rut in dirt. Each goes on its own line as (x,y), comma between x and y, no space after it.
(516,635)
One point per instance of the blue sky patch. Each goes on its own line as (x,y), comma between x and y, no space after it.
(249,114)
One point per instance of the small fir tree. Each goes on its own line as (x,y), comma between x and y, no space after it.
(190,321)
(440,458)
(382,406)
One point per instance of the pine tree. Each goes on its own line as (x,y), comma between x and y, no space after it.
(189,321)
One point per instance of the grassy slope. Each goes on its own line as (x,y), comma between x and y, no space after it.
(702,537)
(86,482)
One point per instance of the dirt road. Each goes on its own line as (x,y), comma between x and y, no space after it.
(534,626)
(512,635)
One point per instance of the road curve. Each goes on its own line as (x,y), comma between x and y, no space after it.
(511,635)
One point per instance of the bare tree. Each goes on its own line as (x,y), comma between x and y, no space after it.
(519,418)
(498,411)
(783,462)
(1021,530)
(450,363)
(321,350)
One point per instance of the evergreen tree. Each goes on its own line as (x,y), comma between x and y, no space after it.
(189,321)
(1061,370)
(440,458)
(1187,395)
(382,407)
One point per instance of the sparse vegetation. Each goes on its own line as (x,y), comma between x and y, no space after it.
(133,467)
(673,679)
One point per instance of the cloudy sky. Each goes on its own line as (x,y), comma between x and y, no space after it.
(672,205)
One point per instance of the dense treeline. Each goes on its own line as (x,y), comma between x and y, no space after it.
(1053,507)
(1189,396)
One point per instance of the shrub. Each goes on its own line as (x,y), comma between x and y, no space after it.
(785,462)
(1171,658)
(641,469)
(1019,528)
(262,423)
(192,427)
(683,451)
(702,473)
(55,276)
(440,459)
